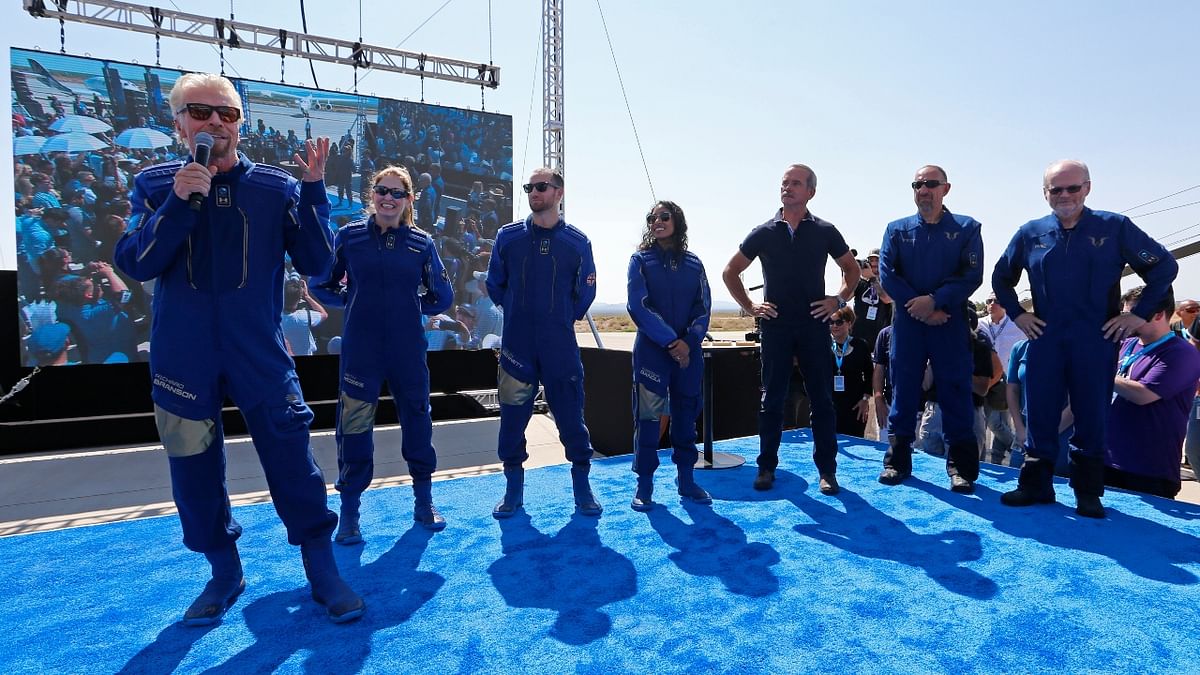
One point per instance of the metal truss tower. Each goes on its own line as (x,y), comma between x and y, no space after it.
(237,34)
(552,84)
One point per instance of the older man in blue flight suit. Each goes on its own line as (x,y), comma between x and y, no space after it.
(930,263)
(542,274)
(218,266)
(1074,258)
(669,300)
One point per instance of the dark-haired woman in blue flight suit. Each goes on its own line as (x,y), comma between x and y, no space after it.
(670,302)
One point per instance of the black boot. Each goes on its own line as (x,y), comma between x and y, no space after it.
(424,512)
(688,489)
(1087,478)
(1035,484)
(226,584)
(348,531)
(584,500)
(962,464)
(643,498)
(897,461)
(341,603)
(514,493)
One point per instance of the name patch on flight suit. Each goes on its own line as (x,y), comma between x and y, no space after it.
(545,247)
(224,196)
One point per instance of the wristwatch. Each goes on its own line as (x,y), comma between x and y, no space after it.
(841,303)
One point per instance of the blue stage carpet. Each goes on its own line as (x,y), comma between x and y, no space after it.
(905,579)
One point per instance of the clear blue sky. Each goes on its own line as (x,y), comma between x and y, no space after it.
(726,95)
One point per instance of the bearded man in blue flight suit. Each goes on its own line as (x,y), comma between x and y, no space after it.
(669,300)
(218,270)
(542,274)
(1074,258)
(930,263)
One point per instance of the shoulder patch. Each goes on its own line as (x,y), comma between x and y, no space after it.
(692,260)
(159,176)
(419,238)
(574,233)
(270,177)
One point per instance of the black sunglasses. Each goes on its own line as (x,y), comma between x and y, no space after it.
(540,186)
(1071,189)
(203,111)
(664,217)
(838,322)
(990,301)
(396,193)
(931,184)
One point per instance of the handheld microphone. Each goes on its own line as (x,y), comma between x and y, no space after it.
(204,143)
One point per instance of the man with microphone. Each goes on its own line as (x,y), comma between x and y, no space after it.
(213,233)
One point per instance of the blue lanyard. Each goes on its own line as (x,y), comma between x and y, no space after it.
(1127,358)
(839,353)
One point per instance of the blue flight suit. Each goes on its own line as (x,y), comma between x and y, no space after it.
(545,280)
(669,300)
(216,331)
(945,260)
(1075,279)
(391,279)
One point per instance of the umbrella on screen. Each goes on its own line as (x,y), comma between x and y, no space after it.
(28,145)
(143,138)
(74,141)
(88,125)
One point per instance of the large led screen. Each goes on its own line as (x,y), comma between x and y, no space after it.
(84,127)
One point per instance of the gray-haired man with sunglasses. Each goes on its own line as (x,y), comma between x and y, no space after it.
(218,266)
(1074,258)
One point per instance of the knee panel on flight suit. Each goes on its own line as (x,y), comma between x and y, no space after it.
(512,391)
(651,405)
(182,437)
(356,416)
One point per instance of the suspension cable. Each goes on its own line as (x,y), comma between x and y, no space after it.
(628,108)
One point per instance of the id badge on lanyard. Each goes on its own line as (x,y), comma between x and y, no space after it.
(839,383)
(872,312)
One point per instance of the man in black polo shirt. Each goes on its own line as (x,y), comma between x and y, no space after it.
(792,246)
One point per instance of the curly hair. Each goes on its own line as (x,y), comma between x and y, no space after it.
(678,238)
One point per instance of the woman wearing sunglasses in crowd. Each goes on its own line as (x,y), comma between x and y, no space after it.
(852,369)
(387,274)
(670,303)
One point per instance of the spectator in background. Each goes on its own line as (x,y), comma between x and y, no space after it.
(852,373)
(881,380)
(426,199)
(872,304)
(1003,334)
(94,308)
(48,345)
(1185,316)
(301,313)
(1157,374)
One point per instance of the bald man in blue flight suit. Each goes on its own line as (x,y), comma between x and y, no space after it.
(218,298)
(930,263)
(1074,258)
(542,274)
(669,300)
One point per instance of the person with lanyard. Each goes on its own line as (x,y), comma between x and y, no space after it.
(872,304)
(1152,401)
(852,372)
(794,246)
(1074,257)
(388,276)
(670,302)
(997,417)
(930,263)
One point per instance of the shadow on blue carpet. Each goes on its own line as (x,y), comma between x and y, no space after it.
(912,578)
